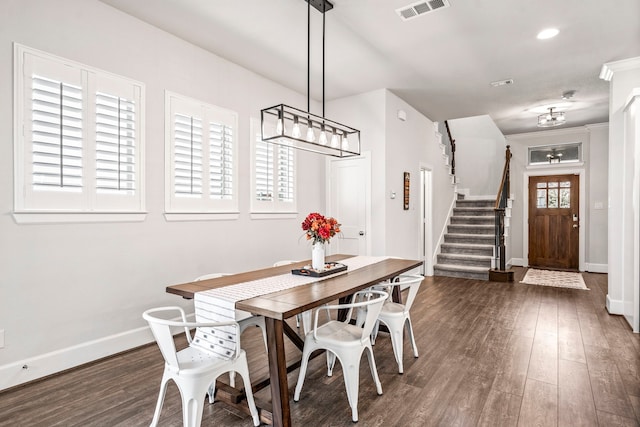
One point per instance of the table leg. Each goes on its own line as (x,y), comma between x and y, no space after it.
(278,373)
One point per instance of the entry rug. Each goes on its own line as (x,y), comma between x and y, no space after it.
(558,279)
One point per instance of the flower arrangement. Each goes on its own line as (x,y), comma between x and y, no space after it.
(319,228)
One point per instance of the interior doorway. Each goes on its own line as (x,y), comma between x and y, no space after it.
(426,223)
(554,206)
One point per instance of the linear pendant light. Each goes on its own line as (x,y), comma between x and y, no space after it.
(292,127)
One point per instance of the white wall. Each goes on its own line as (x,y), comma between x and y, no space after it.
(478,142)
(593,236)
(366,112)
(623,184)
(412,144)
(397,147)
(74,292)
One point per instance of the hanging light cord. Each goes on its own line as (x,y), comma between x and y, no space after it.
(324,13)
(308,55)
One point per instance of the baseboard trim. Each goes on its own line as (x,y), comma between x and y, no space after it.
(43,365)
(596,268)
(518,262)
(614,306)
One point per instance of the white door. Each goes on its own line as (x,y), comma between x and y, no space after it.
(348,203)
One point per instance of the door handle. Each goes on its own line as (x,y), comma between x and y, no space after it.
(361,233)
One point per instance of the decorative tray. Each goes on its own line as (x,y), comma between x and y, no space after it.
(329,269)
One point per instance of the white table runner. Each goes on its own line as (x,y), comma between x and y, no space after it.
(218,305)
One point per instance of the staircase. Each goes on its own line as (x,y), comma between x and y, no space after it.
(468,244)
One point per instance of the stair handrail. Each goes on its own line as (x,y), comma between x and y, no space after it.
(453,148)
(500,209)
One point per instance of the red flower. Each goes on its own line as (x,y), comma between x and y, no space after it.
(319,228)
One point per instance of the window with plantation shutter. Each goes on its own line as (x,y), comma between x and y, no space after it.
(201,155)
(273,175)
(56,135)
(78,141)
(115,144)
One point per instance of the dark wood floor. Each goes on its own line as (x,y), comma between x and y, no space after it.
(491,354)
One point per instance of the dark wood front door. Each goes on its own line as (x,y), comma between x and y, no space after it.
(553,221)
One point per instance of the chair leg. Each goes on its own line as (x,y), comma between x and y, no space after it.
(397,335)
(212,392)
(243,370)
(192,401)
(331,362)
(306,352)
(350,362)
(306,317)
(374,332)
(163,390)
(232,379)
(374,370)
(412,338)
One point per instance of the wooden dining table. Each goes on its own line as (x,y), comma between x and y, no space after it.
(278,306)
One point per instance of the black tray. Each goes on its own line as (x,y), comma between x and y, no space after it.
(335,267)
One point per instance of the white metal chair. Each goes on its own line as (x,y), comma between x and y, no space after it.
(395,316)
(192,369)
(346,342)
(245,320)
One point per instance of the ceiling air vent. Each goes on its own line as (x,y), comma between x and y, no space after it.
(420,8)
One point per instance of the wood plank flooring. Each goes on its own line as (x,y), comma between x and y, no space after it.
(491,354)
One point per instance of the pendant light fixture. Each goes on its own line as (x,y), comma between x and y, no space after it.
(292,127)
(552,118)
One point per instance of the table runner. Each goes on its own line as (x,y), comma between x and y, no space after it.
(218,305)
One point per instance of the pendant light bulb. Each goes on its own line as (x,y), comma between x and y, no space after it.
(280,124)
(335,141)
(311,137)
(345,142)
(323,136)
(295,131)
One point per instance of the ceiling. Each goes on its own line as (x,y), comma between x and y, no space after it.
(441,62)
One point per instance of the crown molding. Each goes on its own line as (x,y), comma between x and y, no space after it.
(545,133)
(610,68)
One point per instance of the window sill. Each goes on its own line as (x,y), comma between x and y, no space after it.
(556,165)
(274,215)
(48,217)
(201,216)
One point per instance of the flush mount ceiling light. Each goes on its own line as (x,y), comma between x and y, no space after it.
(547,33)
(292,127)
(552,118)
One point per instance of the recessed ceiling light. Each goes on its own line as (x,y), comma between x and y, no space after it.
(548,33)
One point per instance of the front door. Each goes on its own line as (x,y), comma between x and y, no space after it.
(553,221)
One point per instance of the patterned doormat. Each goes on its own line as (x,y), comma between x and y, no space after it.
(558,279)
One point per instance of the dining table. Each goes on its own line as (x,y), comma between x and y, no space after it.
(280,305)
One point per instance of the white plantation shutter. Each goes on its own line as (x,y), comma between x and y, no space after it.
(201,152)
(115,144)
(56,135)
(273,175)
(80,149)
(285,174)
(221,161)
(263,171)
(187,155)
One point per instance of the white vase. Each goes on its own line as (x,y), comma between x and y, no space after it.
(317,256)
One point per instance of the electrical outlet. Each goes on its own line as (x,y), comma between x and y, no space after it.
(1,338)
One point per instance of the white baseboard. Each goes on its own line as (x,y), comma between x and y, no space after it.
(596,268)
(518,262)
(26,370)
(477,197)
(614,306)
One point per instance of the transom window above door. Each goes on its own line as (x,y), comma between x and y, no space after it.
(555,154)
